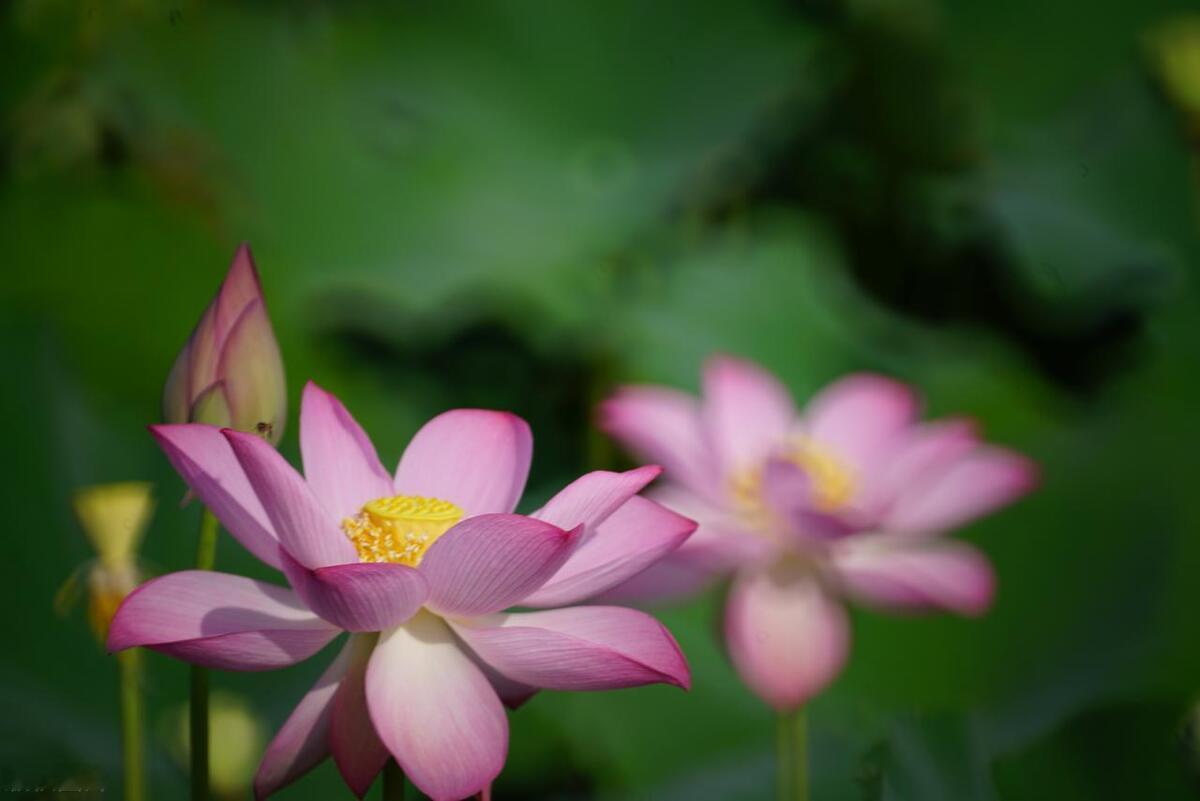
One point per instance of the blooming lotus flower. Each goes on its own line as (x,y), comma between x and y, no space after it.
(230,372)
(847,500)
(419,567)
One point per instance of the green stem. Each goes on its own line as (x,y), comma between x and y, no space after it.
(791,738)
(393,782)
(132,753)
(206,557)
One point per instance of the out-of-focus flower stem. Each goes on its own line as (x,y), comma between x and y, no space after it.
(393,782)
(132,751)
(206,557)
(791,739)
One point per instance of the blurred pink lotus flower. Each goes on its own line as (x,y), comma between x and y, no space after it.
(847,500)
(230,372)
(420,567)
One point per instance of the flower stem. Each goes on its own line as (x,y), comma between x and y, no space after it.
(206,557)
(132,753)
(791,739)
(393,782)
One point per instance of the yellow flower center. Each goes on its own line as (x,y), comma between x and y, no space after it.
(833,482)
(400,529)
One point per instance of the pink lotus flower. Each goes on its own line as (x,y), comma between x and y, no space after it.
(845,501)
(230,372)
(420,568)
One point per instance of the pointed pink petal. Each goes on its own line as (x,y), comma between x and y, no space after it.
(747,412)
(340,463)
(202,456)
(590,499)
(306,530)
(920,455)
(252,369)
(490,562)
(476,458)
(633,537)
(662,426)
(302,742)
(786,637)
(360,596)
(787,491)
(435,711)
(974,485)
(951,576)
(858,417)
(219,620)
(581,648)
(357,750)
(240,288)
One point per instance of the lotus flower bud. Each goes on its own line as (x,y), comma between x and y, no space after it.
(114,518)
(230,372)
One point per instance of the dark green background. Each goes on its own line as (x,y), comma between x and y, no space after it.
(520,205)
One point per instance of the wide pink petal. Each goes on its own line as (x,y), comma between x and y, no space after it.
(581,648)
(435,710)
(512,694)
(859,417)
(972,486)
(219,620)
(475,458)
(360,596)
(202,456)
(635,536)
(306,530)
(662,426)
(951,576)
(340,463)
(786,637)
(357,750)
(788,493)
(590,499)
(919,455)
(747,412)
(490,562)
(302,742)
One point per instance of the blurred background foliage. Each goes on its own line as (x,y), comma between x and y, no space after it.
(521,204)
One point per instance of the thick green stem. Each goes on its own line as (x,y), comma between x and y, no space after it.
(393,782)
(132,749)
(206,557)
(791,738)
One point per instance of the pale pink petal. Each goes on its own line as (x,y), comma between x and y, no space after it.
(359,596)
(635,536)
(951,576)
(475,458)
(251,368)
(357,750)
(590,499)
(302,742)
(340,463)
(921,454)
(435,710)
(240,288)
(747,412)
(582,648)
(859,417)
(662,426)
(219,620)
(673,578)
(512,694)
(786,637)
(177,400)
(202,456)
(787,491)
(306,530)
(490,562)
(975,485)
